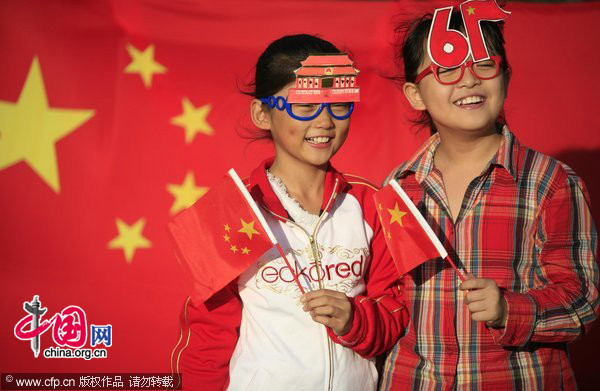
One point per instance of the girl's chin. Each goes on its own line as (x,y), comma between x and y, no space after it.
(473,127)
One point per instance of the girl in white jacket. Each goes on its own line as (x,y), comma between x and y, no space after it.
(260,332)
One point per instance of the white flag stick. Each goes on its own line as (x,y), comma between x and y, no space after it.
(250,200)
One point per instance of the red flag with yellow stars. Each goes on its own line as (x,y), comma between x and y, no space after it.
(219,236)
(409,238)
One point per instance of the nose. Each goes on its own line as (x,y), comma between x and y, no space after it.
(324,120)
(468,79)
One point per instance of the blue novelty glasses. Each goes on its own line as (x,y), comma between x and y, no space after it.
(309,111)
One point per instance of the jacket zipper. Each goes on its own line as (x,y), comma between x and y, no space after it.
(315,253)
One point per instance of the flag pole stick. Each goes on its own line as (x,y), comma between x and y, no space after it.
(289,267)
(462,278)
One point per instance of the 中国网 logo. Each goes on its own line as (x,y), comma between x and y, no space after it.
(69,332)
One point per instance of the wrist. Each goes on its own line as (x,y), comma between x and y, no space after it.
(347,327)
(500,323)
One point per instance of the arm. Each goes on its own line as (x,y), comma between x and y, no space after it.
(567,304)
(379,316)
(209,335)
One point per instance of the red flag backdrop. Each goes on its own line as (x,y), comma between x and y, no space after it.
(116,114)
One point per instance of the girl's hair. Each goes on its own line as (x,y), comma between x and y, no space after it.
(275,67)
(411,53)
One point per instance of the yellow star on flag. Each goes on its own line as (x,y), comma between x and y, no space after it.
(130,238)
(226,237)
(471,10)
(186,193)
(246,251)
(227,227)
(193,120)
(248,229)
(234,249)
(143,62)
(397,215)
(30,128)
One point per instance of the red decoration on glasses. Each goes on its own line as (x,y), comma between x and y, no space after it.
(325,78)
(449,48)
(473,12)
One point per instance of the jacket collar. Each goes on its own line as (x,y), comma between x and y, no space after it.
(421,163)
(262,192)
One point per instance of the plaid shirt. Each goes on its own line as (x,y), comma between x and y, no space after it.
(525,223)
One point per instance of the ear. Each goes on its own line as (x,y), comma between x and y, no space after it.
(260,115)
(413,95)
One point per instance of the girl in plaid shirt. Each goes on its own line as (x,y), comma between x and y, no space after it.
(517,221)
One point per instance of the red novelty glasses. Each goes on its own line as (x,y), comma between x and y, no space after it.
(483,70)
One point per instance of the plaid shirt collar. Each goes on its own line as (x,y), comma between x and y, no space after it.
(421,163)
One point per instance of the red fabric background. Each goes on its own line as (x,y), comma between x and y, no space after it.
(118,163)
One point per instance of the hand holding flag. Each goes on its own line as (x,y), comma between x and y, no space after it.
(410,239)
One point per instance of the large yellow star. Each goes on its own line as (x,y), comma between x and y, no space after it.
(397,215)
(248,229)
(29,128)
(143,62)
(130,238)
(185,194)
(193,120)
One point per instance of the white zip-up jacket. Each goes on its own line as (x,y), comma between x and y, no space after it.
(254,335)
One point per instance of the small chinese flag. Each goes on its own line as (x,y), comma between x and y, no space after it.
(219,236)
(409,238)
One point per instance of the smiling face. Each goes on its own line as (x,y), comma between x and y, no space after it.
(311,142)
(470,105)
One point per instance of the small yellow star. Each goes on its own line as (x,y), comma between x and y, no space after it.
(227,227)
(380,207)
(234,249)
(397,215)
(30,128)
(248,229)
(471,10)
(130,238)
(389,235)
(193,120)
(246,251)
(144,64)
(185,194)
(226,237)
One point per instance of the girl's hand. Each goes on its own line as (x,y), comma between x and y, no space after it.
(330,308)
(485,301)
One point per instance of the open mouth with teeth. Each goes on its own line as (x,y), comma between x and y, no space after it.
(318,140)
(470,101)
